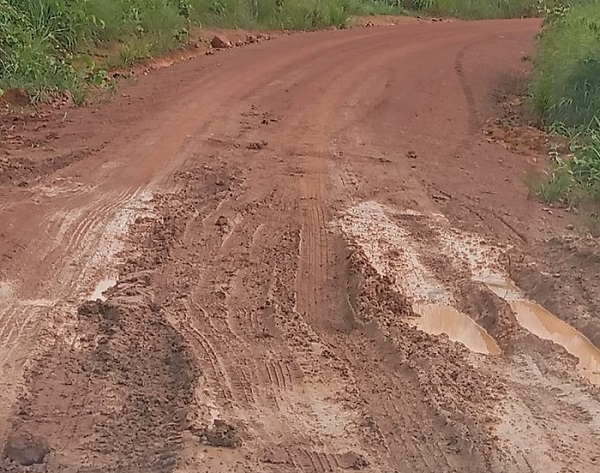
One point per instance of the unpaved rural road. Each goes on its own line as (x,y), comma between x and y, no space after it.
(313,254)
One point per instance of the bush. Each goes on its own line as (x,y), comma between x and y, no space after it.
(565,92)
(566,81)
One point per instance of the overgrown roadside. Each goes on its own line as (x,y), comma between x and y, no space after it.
(50,46)
(565,91)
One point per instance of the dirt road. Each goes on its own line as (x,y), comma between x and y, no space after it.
(314,254)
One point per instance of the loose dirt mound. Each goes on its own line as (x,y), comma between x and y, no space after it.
(118,391)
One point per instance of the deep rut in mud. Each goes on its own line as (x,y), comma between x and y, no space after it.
(309,257)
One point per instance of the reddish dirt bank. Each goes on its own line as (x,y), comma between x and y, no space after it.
(313,254)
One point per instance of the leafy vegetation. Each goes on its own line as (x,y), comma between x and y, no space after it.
(566,85)
(565,92)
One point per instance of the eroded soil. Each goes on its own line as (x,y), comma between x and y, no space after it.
(312,254)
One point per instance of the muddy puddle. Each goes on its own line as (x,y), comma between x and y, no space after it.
(389,241)
(101,288)
(546,325)
(437,319)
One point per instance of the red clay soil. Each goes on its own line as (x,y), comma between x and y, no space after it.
(222,269)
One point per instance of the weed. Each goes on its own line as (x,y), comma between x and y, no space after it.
(475,9)
(573,179)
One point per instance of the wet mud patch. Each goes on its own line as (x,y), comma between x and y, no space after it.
(459,393)
(491,313)
(516,340)
(113,399)
(439,319)
(546,326)
(475,273)
(562,275)
(114,394)
(21,171)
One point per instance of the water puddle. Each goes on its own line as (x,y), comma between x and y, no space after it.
(437,319)
(101,288)
(544,324)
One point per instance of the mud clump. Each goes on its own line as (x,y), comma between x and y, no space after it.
(220,42)
(16,97)
(26,449)
(222,225)
(257,145)
(221,434)
(98,310)
(352,461)
(21,171)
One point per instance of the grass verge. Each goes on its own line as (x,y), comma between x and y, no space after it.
(48,46)
(565,92)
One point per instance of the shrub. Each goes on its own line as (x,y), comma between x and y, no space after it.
(566,82)
(565,91)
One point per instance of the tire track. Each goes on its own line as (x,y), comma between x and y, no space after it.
(93,218)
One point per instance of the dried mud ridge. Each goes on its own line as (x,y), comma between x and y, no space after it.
(289,285)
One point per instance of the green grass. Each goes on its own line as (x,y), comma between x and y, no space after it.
(573,177)
(566,81)
(565,93)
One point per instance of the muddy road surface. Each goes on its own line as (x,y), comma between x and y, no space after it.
(313,254)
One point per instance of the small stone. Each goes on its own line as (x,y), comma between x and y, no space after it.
(220,42)
(257,145)
(220,434)
(570,227)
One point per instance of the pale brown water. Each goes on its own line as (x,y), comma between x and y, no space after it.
(437,319)
(546,325)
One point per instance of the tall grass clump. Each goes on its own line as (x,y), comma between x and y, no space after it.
(566,80)
(34,51)
(565,92)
